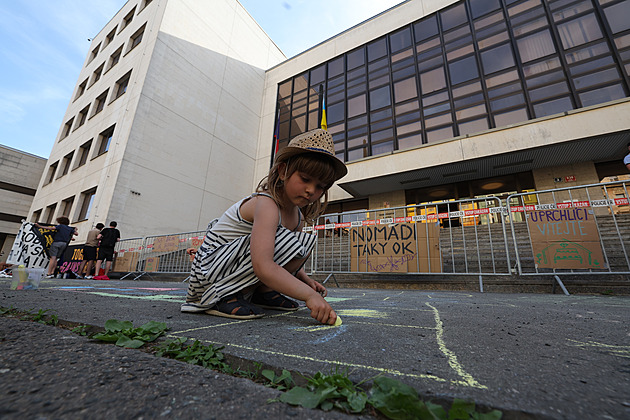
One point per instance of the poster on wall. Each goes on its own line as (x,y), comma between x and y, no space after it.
(30,247)
(396,248)
(565,239)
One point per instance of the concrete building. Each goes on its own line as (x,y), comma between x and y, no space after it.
(20,173)
(160,134)
(430,100)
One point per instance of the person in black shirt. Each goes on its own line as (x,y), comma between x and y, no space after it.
(108,238)
(63,236)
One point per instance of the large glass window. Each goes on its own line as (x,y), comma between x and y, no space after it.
(472,66)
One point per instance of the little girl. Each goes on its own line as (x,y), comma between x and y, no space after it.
(255,251)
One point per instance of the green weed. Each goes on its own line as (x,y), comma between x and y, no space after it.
(328,392)
(125,335)
(195,354)
(80,329)
(281,382)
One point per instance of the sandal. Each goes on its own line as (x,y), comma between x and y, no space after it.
(274,300)
(235,306)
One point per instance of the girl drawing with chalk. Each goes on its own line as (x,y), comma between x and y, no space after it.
(253,254)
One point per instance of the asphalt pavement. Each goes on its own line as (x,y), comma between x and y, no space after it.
(529,355)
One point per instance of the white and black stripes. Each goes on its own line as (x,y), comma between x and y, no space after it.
(222,268)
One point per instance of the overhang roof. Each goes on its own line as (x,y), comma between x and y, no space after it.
(595,149)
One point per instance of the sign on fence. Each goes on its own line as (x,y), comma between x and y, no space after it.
(126,262)
(165,244)
(398,248)
(565,238)
(151,264)
(30,247)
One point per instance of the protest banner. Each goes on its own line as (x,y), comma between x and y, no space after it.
(565,239)
(30,248)
(400,247)
(166,244)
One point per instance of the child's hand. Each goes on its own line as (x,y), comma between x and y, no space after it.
(317,286)
(191,251)
(321,310)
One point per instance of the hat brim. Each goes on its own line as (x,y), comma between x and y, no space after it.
(339,167)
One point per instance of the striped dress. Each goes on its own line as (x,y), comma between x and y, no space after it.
(223,264)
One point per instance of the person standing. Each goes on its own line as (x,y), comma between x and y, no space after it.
(63,236)
(626,160)
(89,251)
(108,238)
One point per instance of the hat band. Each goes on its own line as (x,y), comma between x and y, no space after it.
(317,149)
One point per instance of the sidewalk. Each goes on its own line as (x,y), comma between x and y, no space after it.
(552,356)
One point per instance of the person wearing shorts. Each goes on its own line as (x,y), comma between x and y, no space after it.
(89,251)
(108,238)
(63,236)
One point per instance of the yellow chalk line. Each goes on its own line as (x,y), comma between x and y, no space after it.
(452,358)
(621,351)
(232,322)
(333,362)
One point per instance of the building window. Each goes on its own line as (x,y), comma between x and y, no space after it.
(50,213)
(65,164)
(127,19)
(121,85)
(66,206)
(115,58)
(81,89)
(84,152)
(87,199)
(83,116)
(144,4)
(97,74)
(110,37)
(52,169)
(99,103)
(36,216)
(136,38)
(94,53)
(67,128)
(473,66)
(104,139)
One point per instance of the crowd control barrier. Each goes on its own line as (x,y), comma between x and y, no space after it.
(156,254)
(455,237)
(574,230)
(577,230)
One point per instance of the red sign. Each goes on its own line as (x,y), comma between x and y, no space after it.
(570,178)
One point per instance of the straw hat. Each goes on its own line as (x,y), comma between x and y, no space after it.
(318,141)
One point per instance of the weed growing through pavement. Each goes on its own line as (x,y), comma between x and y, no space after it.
(80,329)
(125,335)
(195,354)
(390,397)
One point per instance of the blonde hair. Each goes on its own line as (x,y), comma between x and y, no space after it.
(313,164)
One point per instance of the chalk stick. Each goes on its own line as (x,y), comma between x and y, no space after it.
(337,322)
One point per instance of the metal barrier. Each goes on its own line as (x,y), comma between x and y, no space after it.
(455,237)
(574,230)
(127,252)
(157,254)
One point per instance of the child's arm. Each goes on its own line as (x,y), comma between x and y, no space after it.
(276,277)
(318,287)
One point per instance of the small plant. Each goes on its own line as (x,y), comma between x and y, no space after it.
(80,329)
(327,392)
(281,382)
(195,354)
(125,335)
(54,320)
(40,317)
(8,311)
(396,400)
